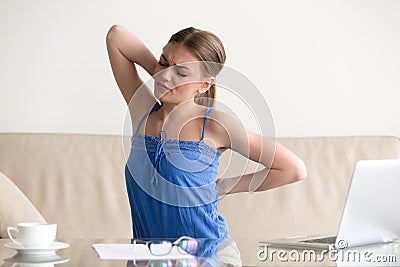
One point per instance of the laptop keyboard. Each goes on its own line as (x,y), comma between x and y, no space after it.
(324,240)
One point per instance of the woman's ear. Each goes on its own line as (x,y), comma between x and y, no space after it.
(206,85)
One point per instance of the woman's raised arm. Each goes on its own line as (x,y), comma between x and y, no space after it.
(125,50)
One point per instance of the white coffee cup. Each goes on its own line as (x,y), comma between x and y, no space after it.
(34,235)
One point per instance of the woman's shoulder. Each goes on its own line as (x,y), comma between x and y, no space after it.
(221,116)
(220,124)
(224,123)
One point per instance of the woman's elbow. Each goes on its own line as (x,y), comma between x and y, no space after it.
(295,172)
(112,32)
(299,172)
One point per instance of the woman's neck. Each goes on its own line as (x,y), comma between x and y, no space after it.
(181,108)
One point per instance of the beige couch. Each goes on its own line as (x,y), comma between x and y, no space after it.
(77,181)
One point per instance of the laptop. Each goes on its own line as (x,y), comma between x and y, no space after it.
(371,213)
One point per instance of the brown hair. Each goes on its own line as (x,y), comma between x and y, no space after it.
(206,46)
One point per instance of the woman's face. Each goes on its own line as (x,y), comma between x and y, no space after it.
(177,75)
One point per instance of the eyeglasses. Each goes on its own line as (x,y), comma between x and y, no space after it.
(185,245)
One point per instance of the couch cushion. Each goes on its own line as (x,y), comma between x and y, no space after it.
(75,180)
(15,207)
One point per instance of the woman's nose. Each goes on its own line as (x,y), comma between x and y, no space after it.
(164,75)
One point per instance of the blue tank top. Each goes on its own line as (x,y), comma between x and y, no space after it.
(171,186)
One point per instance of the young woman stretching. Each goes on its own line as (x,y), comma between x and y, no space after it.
(179,136)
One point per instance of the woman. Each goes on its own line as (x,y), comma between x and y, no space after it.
(178,137)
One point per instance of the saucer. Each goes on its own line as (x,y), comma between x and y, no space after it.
(36,250)
(37,259)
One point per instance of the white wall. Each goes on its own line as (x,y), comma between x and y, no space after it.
(324,67)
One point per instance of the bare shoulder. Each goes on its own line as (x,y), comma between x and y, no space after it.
(221,127)
(222,117)
(221,120)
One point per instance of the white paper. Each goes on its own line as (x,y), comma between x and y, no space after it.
(134,252)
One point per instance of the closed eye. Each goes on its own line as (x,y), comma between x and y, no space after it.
(179,70)
(181,74)
(163,64)
(163,61)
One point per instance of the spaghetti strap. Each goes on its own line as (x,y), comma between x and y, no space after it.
(209,109)
(157,107)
